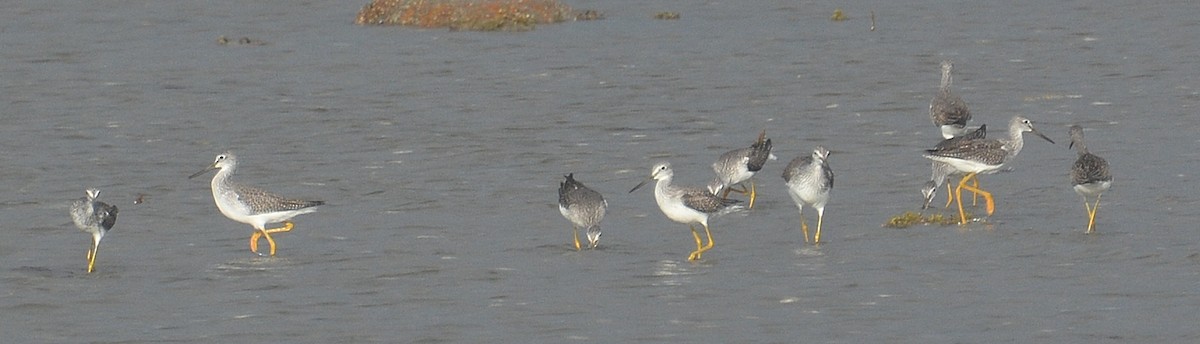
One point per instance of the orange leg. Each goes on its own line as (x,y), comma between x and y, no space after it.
(804,227)
(974,199)
(287,227)
(987,197)
(695,254)
(975,196)
(949,196)
(576,231)
(700,250)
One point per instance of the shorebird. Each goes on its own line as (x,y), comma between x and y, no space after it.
(582,206)
(738,166)
(940,170)
(253,206)
(687,205)
(93,217)
(947,110)
(809,180)
(983,156)
(1089,176)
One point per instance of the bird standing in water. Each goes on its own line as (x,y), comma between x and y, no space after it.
(738,166)
(1089,176)
(947,110)
(687,205)
(95,217)
(582,206)
(810,180)
(983,156)
(253,206)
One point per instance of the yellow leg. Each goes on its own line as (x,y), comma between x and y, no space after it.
(700,250)
(731,188)
(820,218)
(949,196)
(695,254)
(804,227)
(264,234)
(975,196)
(254,241)
(753,193)
(1091,214)
(91,256)
(962,215)
(576,231)
(287,227)
(987,196)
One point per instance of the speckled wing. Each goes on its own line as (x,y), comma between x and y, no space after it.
(977,134)
(704,201)
(727,164)
(1090,168)
(574,193)
(792,170)
(947,108)
(108,215)
(759,153)
(990,152)
(261,201)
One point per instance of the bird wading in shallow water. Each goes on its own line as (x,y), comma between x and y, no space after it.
(947,110)
(983,156)
(810,180)
(687,205)
(582,206)
(940,170)
(95,217)
(1089,176)
(253,206)
(738,166)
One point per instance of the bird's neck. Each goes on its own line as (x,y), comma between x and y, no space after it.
(222,177)
(1016,141)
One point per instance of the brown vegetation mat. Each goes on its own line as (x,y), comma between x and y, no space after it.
(480,15)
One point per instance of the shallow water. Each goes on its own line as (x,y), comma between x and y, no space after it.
(439,154)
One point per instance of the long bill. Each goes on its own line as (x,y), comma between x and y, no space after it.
(639,186)
(1039,134)
(205,170)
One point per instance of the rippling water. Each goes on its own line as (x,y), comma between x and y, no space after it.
(439,154)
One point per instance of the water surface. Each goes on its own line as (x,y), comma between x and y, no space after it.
(439,154)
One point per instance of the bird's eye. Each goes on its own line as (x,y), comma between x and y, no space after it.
(221,157)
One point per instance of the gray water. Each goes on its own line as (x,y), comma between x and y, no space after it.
(440,153)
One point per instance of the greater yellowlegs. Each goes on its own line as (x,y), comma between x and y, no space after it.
(93,217)
(253,206)
(947,110)
(582,206)
(940,170)
(687,205)
(1090,176)
(739,166)
(983,156)
(809,180)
